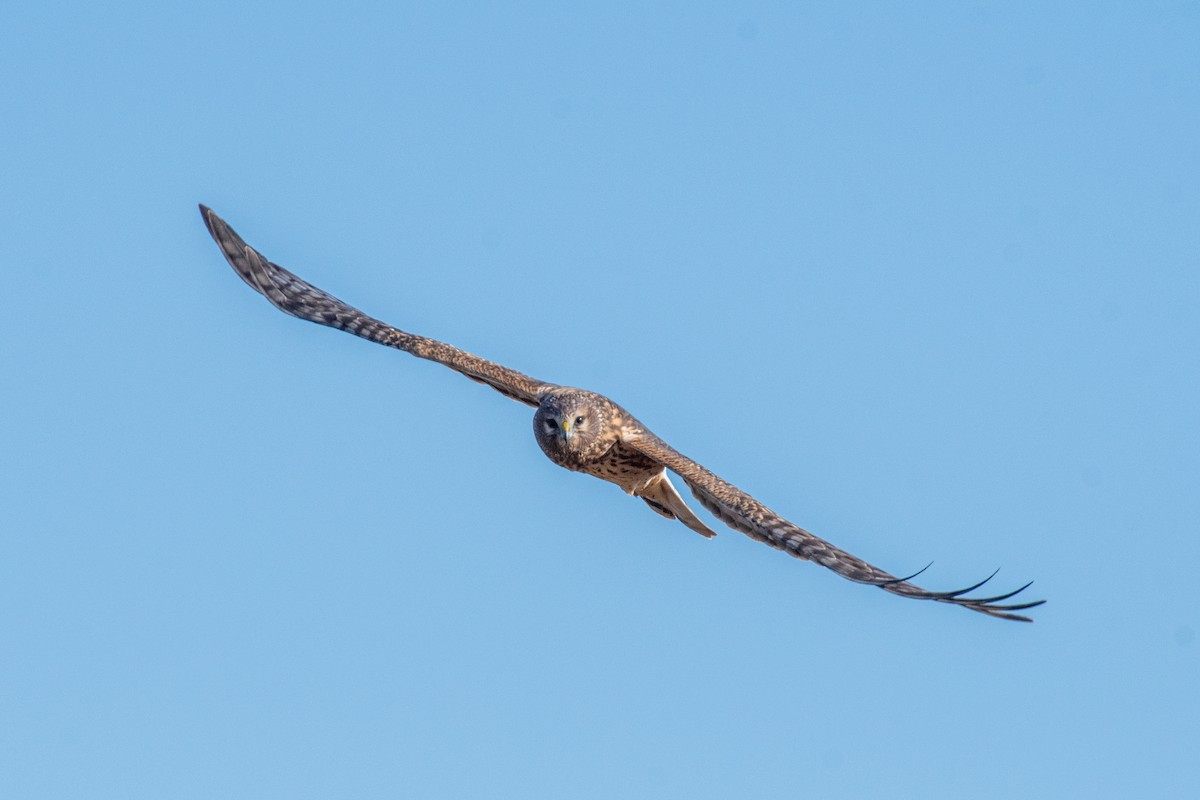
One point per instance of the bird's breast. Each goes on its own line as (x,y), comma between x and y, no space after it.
(627,468)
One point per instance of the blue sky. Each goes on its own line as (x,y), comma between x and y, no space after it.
(923,278)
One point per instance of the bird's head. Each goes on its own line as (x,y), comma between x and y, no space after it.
(569,423)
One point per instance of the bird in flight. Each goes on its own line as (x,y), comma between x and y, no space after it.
(586,432)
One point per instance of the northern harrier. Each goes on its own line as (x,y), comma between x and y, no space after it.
(589,433)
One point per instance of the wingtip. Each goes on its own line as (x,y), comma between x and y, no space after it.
(210,220)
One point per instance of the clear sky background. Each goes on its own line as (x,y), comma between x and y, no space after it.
(924,278)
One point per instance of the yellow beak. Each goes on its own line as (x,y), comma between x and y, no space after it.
(566,426)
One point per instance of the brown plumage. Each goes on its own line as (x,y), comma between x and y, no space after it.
(586,432)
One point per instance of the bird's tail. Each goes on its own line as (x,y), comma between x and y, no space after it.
(661,496)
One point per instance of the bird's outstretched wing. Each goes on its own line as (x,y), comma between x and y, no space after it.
(742,512)
(301,299)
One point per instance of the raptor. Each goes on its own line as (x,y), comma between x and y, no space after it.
(586,432)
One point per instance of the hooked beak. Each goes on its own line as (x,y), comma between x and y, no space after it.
(566,429)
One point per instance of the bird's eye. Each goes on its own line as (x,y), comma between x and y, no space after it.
(550,424)
(578,421)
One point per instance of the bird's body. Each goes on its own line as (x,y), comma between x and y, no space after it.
(586,432)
